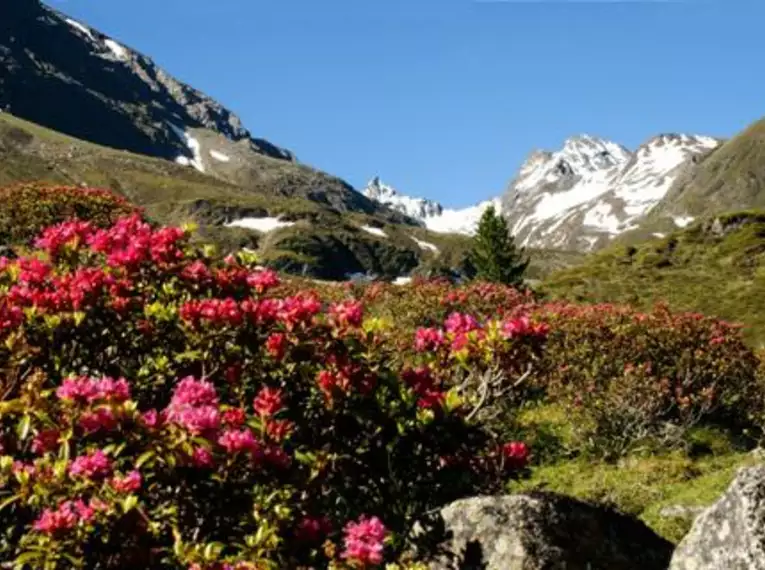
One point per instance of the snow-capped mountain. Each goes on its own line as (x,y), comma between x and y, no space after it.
(428,212)
(591,190)
(576,198)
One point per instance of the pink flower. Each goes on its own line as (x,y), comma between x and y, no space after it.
(193,392)
(347,313)
(268,402)
(461,323)
(130,483)
(201,457)
(428,339)
(364,541)
(263,280)
(94,465)
(151,419)
(53,521)
(197,420)
(235,441)
(86,390)
(99,419)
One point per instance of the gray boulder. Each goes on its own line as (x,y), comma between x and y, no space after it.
(542,531)
(730,535)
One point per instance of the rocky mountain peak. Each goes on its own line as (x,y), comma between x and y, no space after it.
(68,76)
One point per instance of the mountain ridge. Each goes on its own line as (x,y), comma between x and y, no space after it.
(579,197)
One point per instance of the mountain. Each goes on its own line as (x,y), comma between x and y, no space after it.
(65,75)
(591,190)
(430,214)
(578,198)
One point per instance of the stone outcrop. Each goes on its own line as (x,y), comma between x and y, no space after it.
(542,531)
(730,535)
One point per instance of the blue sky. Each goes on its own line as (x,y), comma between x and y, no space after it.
(446,98)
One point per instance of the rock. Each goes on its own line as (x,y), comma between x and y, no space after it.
(542,531)
(681,511)
(730,535)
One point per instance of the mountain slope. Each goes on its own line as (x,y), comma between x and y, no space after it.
(591,190)
(715,266)
(288,230)
(62,74)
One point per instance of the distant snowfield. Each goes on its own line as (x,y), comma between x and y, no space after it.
(219,156)
(374,231)
(425,245)
(263,225)
(402,280)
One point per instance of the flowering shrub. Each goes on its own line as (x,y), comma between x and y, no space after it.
(28,208)
(626,375)
(164,409)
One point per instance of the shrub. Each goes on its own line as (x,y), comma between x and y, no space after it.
(627,375)
(28,208)
(162,408)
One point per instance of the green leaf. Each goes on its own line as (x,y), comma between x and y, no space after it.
(129,503)
(9,501)
(143,458)
(23,427)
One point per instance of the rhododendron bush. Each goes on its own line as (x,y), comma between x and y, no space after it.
(162,408)
(28,208)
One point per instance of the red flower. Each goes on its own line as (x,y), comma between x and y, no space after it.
(235,441)
(428,339)
(276,345)
(234,417)
(515,454)
(347,313)
(268,402)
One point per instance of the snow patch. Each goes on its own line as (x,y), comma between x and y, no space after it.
(602,217)
(219,156)
(402,280)
(374,231)
(193,145)
(425,245)
(119,51)
(84,29)
(463,221)
(682,221)
(263,225)
(658,235)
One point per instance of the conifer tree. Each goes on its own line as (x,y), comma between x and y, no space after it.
(494,254)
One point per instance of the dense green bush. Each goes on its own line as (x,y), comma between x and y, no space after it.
(28,208)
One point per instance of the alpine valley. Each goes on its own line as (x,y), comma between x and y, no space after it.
(81,107)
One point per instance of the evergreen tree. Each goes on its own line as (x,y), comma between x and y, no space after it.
(494,254)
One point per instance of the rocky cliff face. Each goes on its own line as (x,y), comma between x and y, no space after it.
(65,75)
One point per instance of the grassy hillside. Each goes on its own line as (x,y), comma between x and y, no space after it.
(327,238)
(716,266)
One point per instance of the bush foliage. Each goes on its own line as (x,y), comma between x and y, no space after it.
(28,208)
